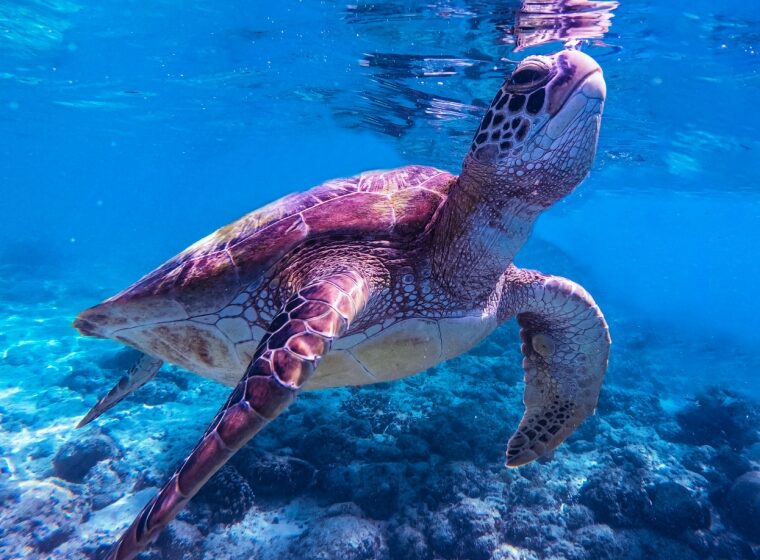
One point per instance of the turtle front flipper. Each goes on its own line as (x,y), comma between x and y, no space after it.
(138,375)
(565,347)
(287,356)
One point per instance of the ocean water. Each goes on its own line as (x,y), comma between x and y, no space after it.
(131,129)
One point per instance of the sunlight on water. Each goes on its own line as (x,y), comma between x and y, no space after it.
(543,21)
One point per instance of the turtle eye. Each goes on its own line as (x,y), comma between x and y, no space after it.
(528,77)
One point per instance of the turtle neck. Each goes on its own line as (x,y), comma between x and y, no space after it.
(482,226)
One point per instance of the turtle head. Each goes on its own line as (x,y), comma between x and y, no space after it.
(537,140)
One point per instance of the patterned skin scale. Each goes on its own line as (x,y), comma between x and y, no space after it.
(378,277)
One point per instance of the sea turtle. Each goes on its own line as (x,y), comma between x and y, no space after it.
(377,277)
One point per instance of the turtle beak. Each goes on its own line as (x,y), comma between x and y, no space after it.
(578,92)
(577,73)
(594,86)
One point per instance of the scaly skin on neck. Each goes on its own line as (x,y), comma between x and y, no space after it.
(535,144)
(478,233)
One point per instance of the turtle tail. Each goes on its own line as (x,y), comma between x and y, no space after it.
(138,375)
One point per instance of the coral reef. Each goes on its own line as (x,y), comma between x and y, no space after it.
(411,470)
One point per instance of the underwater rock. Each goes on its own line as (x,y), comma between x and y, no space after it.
(546,535)
(720,467)
(373,486)
(565,550)
(719,417)
(182,381)
(700,459)
(413,448)
(529,489)
(344,537)
(644,407)
(720,544)
(40,449)
(743,505)
(373,405)
(225,498)
(675,509)
(521,525)
(631,456)
(378,496)
(730,462)
(18,356)
(577,516)
(602,543)
(273,476)
(179,541)
(105,486)
(729,545)
(447,482)
(509,552)
(653,544)
(481,547)
(359,428)
(447,442)
(9,495)
(48,540)
(9,491)
(344,508)
(83,381)
(372,450)
(448,430)
(325,445)
(75,458)
(616,497)
(337,483)
(45,517)
(441,535)
(407,543)
(157,392)
(474,524)
(473,517)
(121,360)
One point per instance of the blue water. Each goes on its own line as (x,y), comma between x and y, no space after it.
(131,129)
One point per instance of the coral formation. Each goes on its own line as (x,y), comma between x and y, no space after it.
(401,471)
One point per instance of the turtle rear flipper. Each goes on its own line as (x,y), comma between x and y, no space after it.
(138,375)
(565,346)
(300,334)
